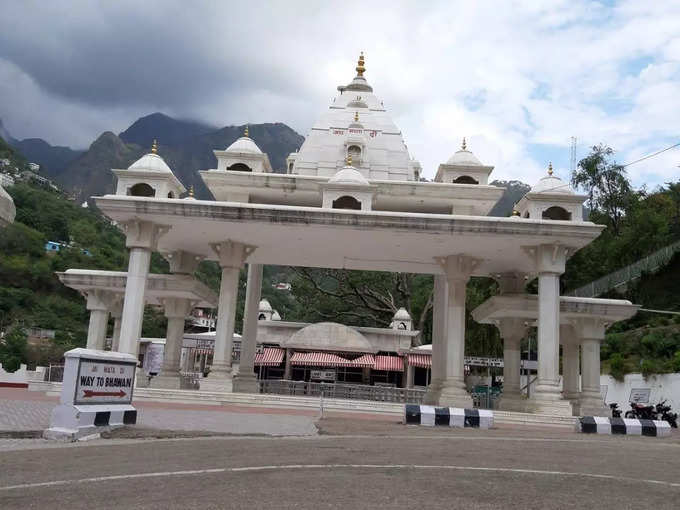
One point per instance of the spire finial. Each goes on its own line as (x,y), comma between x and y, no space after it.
(245,131)
(464,145)
(154,147)
(356,116)
(360,65)
(550,170)
(191,191)
(348,160)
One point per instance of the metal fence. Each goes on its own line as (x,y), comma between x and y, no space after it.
(54,373)
(613,280)
(343,391)
(485,399)
(189,380)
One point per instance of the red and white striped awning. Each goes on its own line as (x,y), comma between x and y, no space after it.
(420,360)
(367,360)
(319,359)
(269,357)
(389,363)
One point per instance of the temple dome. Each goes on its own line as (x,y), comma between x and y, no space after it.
(265,306)
(551,184)
(244,144)
(350,176)
(150,162)
(464,157)
(402,315)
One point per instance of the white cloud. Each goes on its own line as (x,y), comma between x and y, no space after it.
(507,75)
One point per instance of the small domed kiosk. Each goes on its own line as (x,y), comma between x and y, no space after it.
(243,156)
(348,189)
(551,199)
(149,176)
(463,168)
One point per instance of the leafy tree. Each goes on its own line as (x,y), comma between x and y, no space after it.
(617,366)
(13,349)
(606,184)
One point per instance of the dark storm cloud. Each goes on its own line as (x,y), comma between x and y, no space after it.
(110,55)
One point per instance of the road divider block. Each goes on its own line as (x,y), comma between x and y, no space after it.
(626,426)
(430,416)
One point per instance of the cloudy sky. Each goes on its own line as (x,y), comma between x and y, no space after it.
(518,79)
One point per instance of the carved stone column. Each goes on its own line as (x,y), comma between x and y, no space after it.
(141,239)
(245,381)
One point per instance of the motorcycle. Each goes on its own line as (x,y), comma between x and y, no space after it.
(616,412)
(641,412)
(663,412)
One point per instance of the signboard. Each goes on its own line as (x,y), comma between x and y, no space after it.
(640,395)
(153,358)
(104,382)
(322,375)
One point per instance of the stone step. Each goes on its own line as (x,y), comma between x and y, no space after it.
(302,402)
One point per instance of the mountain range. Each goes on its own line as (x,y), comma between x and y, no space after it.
(185,145)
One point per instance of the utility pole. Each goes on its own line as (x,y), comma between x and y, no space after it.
(572,155)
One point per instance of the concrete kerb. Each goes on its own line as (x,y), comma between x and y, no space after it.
(624,426)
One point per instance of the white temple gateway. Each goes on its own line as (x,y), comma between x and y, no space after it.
(352,198)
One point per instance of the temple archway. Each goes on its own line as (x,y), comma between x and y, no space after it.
(240,167)
(556,213)
(465,179)
(142,189)
(347,202)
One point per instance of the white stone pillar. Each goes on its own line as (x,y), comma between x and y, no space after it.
(439,306)
(245,381)
(410,369)
(547,396)
(98,302)
(116,313)
(590,332)
(231,256)
(457,269)
(512,331)
(141,238)
(570,364)
(176,311)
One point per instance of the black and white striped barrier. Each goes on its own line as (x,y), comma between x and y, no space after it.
(447,416)
(628,426)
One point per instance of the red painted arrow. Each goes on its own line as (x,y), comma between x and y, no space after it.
(90,393)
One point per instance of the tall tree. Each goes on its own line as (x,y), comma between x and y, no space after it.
(606,185)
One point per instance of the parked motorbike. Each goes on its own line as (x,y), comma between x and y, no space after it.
(616,412)
(641,412)
(663,412)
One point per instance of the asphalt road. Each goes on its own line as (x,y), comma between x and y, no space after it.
(367,465)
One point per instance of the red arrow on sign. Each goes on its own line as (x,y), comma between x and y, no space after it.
(90,393)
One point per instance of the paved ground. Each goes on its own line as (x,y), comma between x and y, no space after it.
(372,464)
(356,461)
(22,410)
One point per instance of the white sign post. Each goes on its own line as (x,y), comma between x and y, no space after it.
(96,394)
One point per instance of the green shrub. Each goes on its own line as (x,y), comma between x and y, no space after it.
(617,366)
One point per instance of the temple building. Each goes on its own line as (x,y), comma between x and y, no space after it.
(352,197)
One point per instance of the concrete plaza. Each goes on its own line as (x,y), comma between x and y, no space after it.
(355,461)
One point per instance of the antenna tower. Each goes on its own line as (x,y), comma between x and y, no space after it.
(572,155)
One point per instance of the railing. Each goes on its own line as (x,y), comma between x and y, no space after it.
(54,373)
(343,391)
(189,380)
(613,280)
(485,399)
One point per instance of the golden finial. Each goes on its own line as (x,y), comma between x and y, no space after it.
(360,66)
(348,160)
(191,191)
(245,132)
(464,146)
(356,116)
(154,147)
(550,170)
(515,212)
